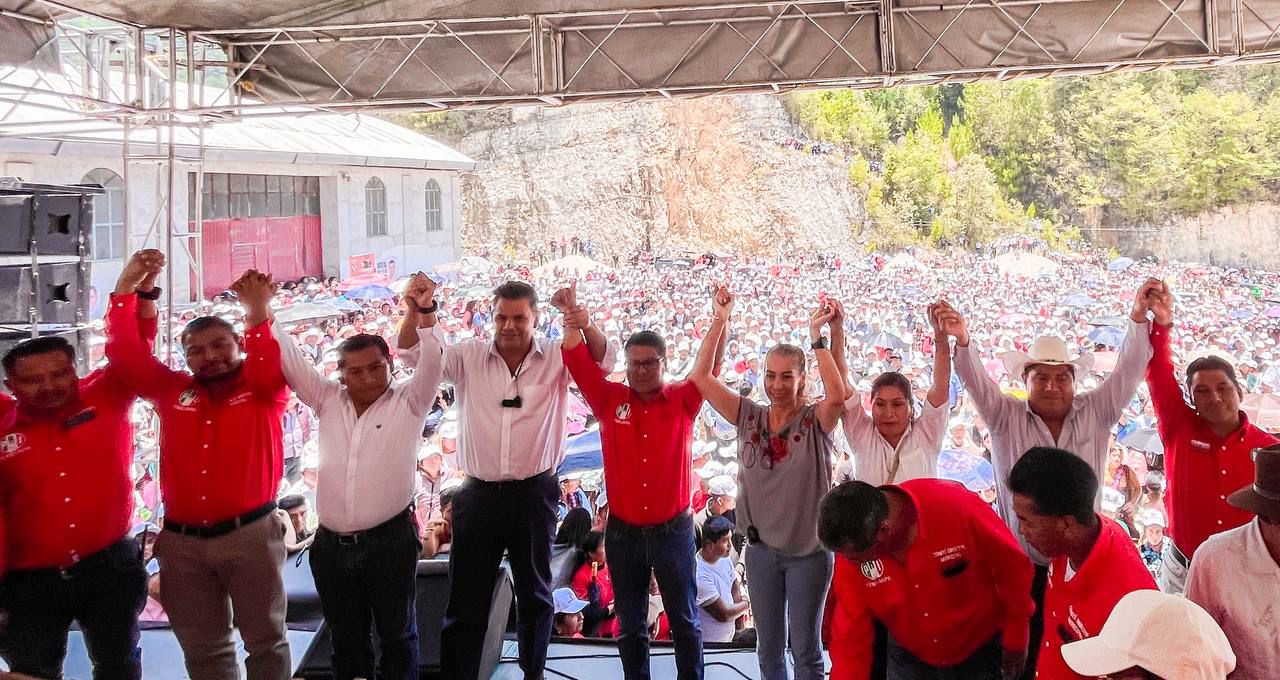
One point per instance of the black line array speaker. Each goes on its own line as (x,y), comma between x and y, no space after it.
(433,595)
(54,218)
(45,235)
(58,293)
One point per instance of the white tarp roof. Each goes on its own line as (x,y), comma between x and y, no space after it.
(444,53)
(338,139)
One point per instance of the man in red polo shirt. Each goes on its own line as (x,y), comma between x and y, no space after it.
(1207,445)
(1093,561)
(646,427)
(65,451)
(222,544)
(941,571)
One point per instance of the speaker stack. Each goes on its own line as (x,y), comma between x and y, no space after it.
(45,234)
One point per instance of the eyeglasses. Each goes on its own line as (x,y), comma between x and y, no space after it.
(646,365)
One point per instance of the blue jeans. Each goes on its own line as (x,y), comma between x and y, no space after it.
(984,664)
(104,593)
(787,596)
(370,580)
(667,551)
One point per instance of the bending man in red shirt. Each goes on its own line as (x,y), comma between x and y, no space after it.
(1207,445)
(65,455)
(1093,563)
(938,568)
(222,544)
(646,427)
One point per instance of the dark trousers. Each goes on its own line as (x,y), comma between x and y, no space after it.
(104,593)
(667,551)
(489,518)
(369,579)
(984,664)
(1038,585)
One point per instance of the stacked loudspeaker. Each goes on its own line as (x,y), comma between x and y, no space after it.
(45,235)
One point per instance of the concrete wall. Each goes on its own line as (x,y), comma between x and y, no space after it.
(407,244)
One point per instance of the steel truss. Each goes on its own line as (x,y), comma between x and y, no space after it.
(726,48)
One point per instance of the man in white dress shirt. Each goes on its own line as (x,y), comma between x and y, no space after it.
(1052,415)
(512,397)
(1235,575)
(365,553)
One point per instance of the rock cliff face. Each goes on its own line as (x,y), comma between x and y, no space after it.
(1235,236)
(704,173)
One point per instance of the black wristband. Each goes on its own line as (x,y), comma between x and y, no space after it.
(820,343)
(153,294)
(435,305)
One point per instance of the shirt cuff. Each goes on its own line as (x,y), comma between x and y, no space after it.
(260,330)
(1017,633)
(127,302)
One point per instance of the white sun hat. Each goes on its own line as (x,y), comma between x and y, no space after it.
(1048,350)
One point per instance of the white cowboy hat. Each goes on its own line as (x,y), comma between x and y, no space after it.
(1047,350)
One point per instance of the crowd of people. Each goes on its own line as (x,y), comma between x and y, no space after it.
(988,465)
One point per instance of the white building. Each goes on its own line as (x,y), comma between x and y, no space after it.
(292,195)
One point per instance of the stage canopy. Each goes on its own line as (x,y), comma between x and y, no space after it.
(422,54)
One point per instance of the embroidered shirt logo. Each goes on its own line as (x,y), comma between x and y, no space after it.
(873,570)
(188,397)
(11,442)
(623,412)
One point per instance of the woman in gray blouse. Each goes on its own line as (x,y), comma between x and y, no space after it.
(785,468)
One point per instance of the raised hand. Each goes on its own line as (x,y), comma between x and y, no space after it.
(142,267)
(255,289)
(819,318)
(576,318)
(1142,301)
(950,321)
(421,291)
(566,298)
(722,302)
(1161,304)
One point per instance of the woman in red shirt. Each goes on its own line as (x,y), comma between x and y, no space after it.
(591,582)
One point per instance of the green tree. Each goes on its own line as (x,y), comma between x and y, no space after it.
(1222,145)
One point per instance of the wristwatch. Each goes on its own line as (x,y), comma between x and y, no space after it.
(435,305)
(153,294)
(820,343)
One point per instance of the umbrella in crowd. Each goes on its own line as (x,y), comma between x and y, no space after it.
(343,304)
(886,340)
(972,471)
(1078,300)
(1120,264)
(1024,264)
(1272,312)
(582,453)
(371,292)
(1117,321)
(1145,439)
(307,311)
(1106,335)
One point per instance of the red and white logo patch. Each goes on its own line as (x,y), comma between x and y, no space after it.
(873,570)
(10,443)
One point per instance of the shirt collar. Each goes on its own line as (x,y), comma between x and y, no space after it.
(921,531)
(537,348)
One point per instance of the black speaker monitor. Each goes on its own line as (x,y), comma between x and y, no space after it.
(56,222)
(56,291)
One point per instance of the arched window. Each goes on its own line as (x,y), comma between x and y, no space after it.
(375,207)
(108,215)
(435,220)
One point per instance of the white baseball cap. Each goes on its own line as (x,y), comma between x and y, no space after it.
(567,602)
(1167,635)
(723,485)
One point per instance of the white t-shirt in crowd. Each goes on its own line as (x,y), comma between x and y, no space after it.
(715,581)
